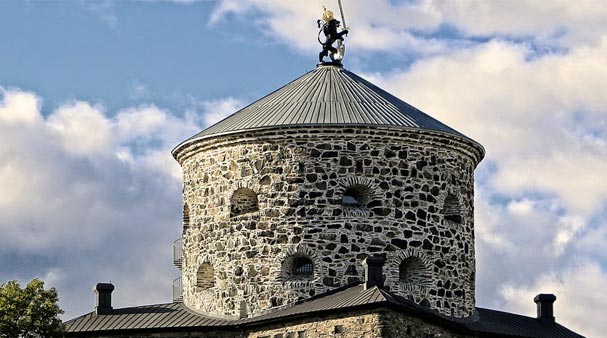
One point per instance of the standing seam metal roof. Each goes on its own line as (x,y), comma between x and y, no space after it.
(161,316)
(176,316)
(327,95)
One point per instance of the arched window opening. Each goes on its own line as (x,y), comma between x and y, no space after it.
(412,271)
(275,301)
(356,196)
(472,280)
(303,267)
(205,277)
(452,209)
(297,267)
(186,216)
(243,201)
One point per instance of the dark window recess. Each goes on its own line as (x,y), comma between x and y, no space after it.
(186,216)
(412,270)
(243,201)
(303,266)
(356,196)
(454,218)
(276,301)
(350,200)
(452,209)
(205,277)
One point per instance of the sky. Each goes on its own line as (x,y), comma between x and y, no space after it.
(95,94)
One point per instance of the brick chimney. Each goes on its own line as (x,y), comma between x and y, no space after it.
(545,312)
(373,271)
(104,298)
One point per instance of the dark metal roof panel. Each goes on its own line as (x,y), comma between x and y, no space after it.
(160,316)
(328,95)
(487,322)
(346,297)
(82,324)
(510,324)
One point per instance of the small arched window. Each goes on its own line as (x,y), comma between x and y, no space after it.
(452,209)
(302,267)
(186,216)
(412,271)
(297,267)
(205,277)
(243,201)
(355,196)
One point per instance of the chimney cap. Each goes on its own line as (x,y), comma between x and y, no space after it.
(545,311)
(544,297)
(374,271)
(104,298)
(374,260)
(104,287)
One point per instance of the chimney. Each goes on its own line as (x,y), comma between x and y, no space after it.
(545,312)
(373,271)
(104,298)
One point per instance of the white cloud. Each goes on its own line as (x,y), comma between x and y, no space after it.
(216,110)
(568,228)
(19,107)
(87,197)
(81,128)
(593,240)
(581,300)
(560,21)
(140,122)
(413,26)
(534,115)
(293,22)
(79,171)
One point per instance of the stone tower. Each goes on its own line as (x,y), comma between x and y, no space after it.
(285,198)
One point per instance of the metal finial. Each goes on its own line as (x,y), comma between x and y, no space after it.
(328,26)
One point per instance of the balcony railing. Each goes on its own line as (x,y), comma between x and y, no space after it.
(178,253)
(177,291)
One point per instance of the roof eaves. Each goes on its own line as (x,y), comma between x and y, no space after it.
(459,137)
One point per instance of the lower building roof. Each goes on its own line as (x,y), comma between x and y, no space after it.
(178,317)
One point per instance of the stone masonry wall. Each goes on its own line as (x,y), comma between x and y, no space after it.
(398,325)
(400,180)
(381,323)
(361,325)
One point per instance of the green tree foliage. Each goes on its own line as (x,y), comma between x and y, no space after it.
(31,312)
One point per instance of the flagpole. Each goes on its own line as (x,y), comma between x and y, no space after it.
(341,10)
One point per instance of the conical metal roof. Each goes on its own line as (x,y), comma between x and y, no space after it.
(326,96)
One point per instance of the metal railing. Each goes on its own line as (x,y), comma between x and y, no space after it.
(178,253)
(177,290)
